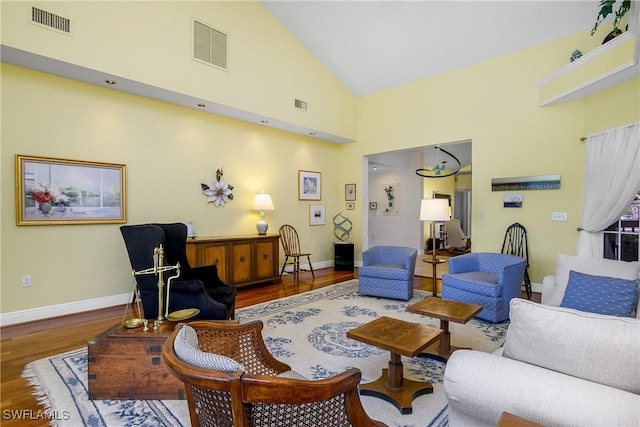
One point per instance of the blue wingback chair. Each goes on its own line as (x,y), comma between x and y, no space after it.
(387,271)
(491,280)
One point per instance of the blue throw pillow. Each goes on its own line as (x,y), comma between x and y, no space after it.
(600,294)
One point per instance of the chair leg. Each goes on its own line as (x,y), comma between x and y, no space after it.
(311,267)
(284,264)
(527,283)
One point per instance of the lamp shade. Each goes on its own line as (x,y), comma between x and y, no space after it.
(434,210)
(262,202)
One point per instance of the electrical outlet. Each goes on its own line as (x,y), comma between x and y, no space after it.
(558,216)
(26,281)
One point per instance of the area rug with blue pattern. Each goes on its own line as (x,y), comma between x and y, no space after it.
(306,331)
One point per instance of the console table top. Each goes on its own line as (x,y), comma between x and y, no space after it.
(235,237)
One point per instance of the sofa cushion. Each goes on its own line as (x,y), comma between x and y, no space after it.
(589,265)
(186,348)
(595,347)
(600,294)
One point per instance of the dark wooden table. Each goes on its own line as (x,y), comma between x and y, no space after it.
(127,364)
(401,338)
(447,311)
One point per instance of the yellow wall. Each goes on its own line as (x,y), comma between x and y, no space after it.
(617,106)
(495,105)
(170,150)
(150,42)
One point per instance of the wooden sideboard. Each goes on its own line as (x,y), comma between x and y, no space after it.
(241,260)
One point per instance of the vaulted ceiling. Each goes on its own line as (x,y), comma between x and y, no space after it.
(374,45)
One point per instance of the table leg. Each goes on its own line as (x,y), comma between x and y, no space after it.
(435,281)
(394,388)
(395,372)
(443,349)
(444,344)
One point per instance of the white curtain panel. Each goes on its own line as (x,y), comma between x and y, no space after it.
(611,180)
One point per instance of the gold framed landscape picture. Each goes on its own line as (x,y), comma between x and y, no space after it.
(53,191)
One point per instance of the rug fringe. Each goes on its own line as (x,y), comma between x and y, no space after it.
(40,390)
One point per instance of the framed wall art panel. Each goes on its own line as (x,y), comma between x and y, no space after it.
(309,185)
(350,192)
(53,191)
(317,215)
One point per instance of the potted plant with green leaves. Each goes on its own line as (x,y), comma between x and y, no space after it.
(606,8)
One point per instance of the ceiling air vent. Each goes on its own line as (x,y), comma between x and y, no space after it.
(50,20)
(210,45)
(302,105)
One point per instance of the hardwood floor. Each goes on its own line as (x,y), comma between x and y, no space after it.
(27,342)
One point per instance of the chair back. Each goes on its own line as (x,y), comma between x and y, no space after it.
(401,255)
(140,241)
(455,234)
(290,240)
(257,396)
(515,241)
(175,245)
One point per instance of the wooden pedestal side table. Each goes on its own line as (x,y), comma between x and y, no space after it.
(434,262)
(401,339)
(447,311)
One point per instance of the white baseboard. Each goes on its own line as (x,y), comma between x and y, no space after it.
(41,313)
(316,266)
(536,287)
(319,265)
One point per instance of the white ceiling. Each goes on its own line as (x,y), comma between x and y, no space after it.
(430,156)
(374,45)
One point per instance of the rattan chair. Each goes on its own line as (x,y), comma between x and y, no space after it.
(265,393)
(291,246)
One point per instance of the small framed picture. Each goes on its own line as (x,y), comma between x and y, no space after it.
(351,206)
(349,192)
(373,206)
(309,185)
(317,215)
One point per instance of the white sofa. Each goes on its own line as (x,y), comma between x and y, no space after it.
(558,366)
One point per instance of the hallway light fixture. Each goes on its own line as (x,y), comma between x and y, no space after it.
(439,169)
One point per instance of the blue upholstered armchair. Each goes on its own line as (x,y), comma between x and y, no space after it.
(387,271)
(491,280)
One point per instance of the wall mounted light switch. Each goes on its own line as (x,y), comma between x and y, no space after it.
(558,216)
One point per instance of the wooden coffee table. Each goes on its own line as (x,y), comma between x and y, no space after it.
(447,311)
(401,338)
(509,420)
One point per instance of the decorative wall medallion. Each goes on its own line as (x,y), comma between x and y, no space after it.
(219,192)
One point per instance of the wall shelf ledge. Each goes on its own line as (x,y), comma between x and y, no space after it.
(606,66)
